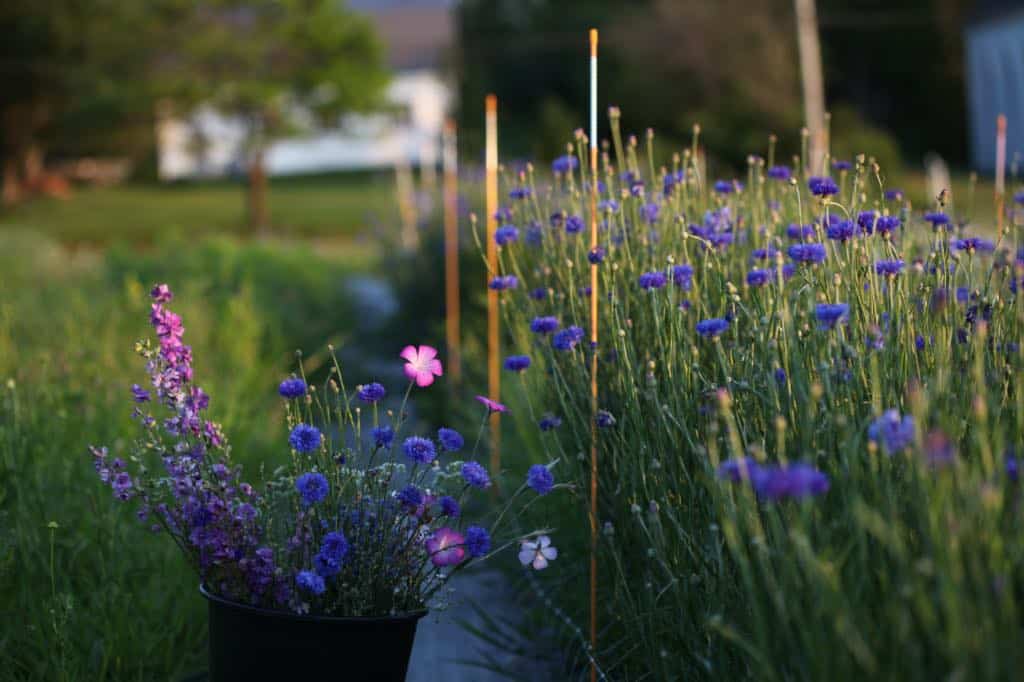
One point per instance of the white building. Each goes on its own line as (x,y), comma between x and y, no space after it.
(419,96)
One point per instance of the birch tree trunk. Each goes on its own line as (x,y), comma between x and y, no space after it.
(813,81)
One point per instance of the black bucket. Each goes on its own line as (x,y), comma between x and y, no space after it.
(248,643)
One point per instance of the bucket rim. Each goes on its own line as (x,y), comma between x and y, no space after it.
(288,615)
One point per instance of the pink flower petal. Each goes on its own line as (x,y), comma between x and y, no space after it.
(427,353)
(410,372)
(409,353)
(435,367)
(539,562)
(423,379)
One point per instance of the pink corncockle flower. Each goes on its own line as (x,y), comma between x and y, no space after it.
(445,547)
(492,405)
(537,554)
(421,364)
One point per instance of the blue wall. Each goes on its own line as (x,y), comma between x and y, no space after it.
(995,85)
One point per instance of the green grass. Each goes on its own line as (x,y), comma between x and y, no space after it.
(327,206)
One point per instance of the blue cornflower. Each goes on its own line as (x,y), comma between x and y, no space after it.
(671,180)
(312,487)
(574,224)
(544,325)
(758,278)
(503,214)
(596,255)
(450,439)
(894,195)
(410,496)
(764,254)
(936,218)
(739,469)
(972,244)
(866,220)
(807,253)
(564,164)
(449,506)
(517,363)
(712,328)
(889,268)
(371,393)
(478,541)
(419,449)
(830,314)
(383,436)
(652,280)
(304,438)
(334,546)
(608,206)
(474,474)
(567,338)
(780,375)
(534,235)
(292,388)
(896,433)
(501,283)
(649,212)
(604,419)
(724,187)
(520,193)
(800,232)
(798,480)
(841,165)
(841,231)
(919,342)
(886,224)
(505,234)
(682,276)
(549,422)
(780,173)
(540,479)
(822,186)
(539,294)
(310,582)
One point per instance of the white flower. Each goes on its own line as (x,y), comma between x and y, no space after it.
(537,554)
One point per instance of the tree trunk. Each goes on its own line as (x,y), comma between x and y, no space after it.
(11,182)
(257,198)
(813,82)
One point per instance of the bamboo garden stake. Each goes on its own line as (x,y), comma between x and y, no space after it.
(493,368)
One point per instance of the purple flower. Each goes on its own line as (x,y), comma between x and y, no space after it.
(478,541)
(894,195)
(445,547)
(972,244)
(736,470)
(807,253)
(520,193)
(449,507)
(800,232)
(936,218)
(506,234)
(122,485)
(759,278)
(565,164)
(450,439)
(886,224)
(866,220)
(540,479)
(712,328)
(310,582)
(544,325)
(410,496)
(161,293)
(608,206)
(604,419)
(896,433)
(780,173)
(139,394)
(549,422)
(822,186)
(682,276)
(292,387)
(797,481)
(652,280)
(312,487)
(371,393)
(304,438)
(842,231)
(491,405)
(830,314)
(501,283)
(889,268)
(517,363)
(649,212)
(382,436)
(596,255)
(840,165)
(780,375)
(574,224)
(567,338)
(334,546)
(474,474)
(419,449)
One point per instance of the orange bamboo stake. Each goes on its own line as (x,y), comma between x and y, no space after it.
(451,251)
(593,355)
(493,368)
(1000,170)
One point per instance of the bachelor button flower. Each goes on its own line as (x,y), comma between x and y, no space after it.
(682,276)
(800,232)
(919,342)
(652,280)
(549,422)
(972,244)
(537,554)
(564,164)
(573,224)
(312,488)
(304,438)
(567,338)
(608,206)
(334,546)
(478,541)
(780,375)
(520,193)
(596,255)
(894,194)
(604,419)
(540,479)
(505,234)
(501,283)
(474,474)
(543,325)
(896,433)
(382,436)
(840,165)
(419,449)
(936,218)
(712,328)
(450,439)
(310,582)
(445,547)
(889,268)
(649,212)
(807,253)
(797,480)
(421,364)
(724,187)
(292,387)
(410,497)
(886,224)
(830,314)
(758,278)
(739,469)
(491,405)
(139,394)
(371,393)
(780,173)
(517,363)
(503,214)
(822,186)
(866,220)
(449,506)
(841,231)
(539,294)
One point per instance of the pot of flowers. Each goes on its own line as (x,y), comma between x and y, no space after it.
(323,570)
